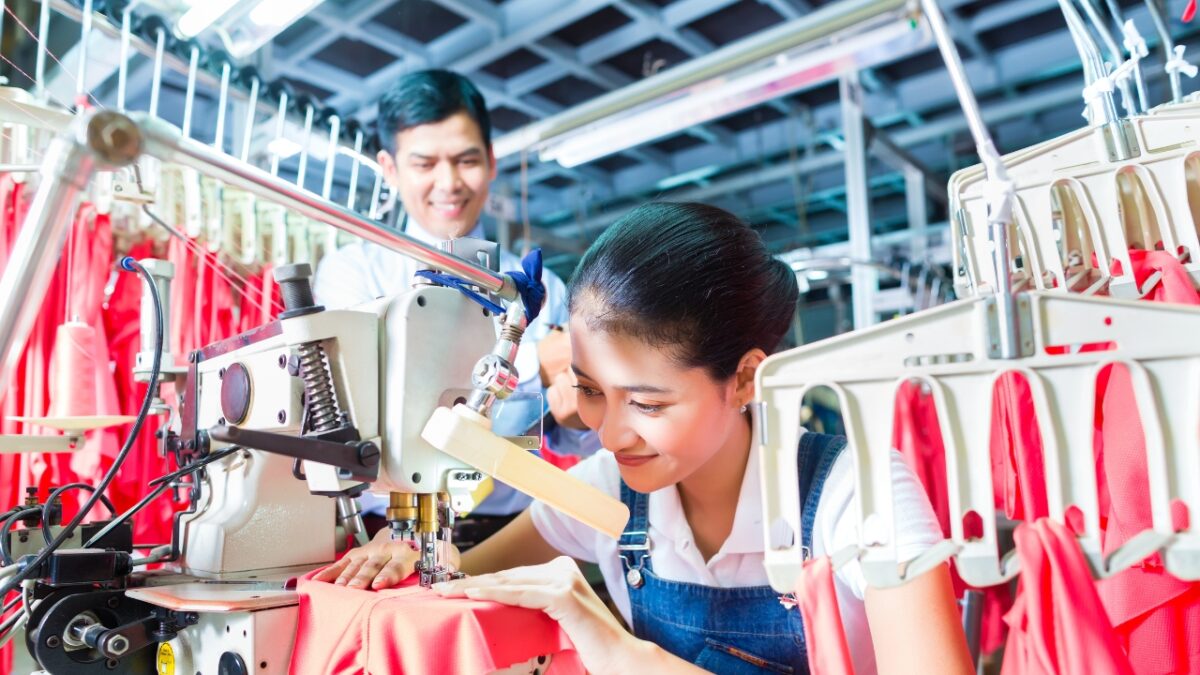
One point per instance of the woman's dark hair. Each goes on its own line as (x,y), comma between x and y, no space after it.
(427,97)
(690,277)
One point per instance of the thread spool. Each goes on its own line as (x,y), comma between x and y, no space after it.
(73,371)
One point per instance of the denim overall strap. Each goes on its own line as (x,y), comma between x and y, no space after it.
(815,459)
(739,630)
(634,544)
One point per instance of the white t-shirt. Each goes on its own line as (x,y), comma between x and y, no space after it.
(739,562)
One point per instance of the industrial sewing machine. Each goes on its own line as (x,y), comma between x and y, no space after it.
(280,428)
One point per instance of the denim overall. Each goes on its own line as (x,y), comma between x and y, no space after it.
(724,630)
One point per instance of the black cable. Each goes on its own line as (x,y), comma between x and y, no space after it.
(5,552)
(162,484)
(57,493)
(131,265)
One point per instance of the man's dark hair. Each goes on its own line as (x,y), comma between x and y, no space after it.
(427,97)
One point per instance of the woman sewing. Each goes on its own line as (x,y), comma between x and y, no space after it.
(672,310)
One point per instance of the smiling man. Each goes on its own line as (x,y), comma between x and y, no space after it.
(437,158)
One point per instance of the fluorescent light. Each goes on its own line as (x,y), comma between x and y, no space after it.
(202,15)
(774,76)
(283,147)
(817,275)
(263,22)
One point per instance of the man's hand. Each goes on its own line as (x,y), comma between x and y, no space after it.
(382,563)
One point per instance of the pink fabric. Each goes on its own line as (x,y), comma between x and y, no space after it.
(344,631)
(825,641)
(1057,625)
(1175,284)
(917,436)
(1018,474)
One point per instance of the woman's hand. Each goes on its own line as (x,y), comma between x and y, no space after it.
(559,589)
(382,563)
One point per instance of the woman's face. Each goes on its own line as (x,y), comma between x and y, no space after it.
(661,420)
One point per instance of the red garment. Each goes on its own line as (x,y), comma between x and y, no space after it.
(825,641)
(1156,616)
(1057,625)
(1018,472)
(917,436)
(1175,284)
(345,631)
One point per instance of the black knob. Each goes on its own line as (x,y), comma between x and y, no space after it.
(231,664)
(296,290)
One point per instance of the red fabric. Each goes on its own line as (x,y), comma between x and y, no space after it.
(917,436)
(1189,12)
(825,641)
(1175,284)
(344,631)
(1057,625)
(1018,474)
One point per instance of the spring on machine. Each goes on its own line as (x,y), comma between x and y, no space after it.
(324,414)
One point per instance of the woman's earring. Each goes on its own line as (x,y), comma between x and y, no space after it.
(745,407)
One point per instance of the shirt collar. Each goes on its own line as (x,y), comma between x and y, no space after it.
(414,230)
(665,513)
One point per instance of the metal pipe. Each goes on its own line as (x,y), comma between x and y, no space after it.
(1106,36)
(374,210)
(280,125)
(156,84)
(39,68)
(222,101)
(165,142)
(816,25)
(123,66)
(335,127)
(302,170)
(251,115)
(85,32)
(66,169)
(189,100)
(1168,46)
(358,143)
(998,218)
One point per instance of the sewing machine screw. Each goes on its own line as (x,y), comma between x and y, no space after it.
(282,416)
(112,664)
(416,478)
(221,374)
(221,421)
(283,360)
(114,602)
(53,642)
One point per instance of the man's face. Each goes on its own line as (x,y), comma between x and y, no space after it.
(441,172)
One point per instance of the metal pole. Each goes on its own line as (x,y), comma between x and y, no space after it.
(189,100)
(156,85)
(335,127)
(66,169)
(222,101)
(864,281)
(374,210)
(123,68)
(39,68)
(358,143)
(251,114)
(165,142)
(1000,205)
(85,32)
(1168,46)
(280,125)
(303,168)
(918,211)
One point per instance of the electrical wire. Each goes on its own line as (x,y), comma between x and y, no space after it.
(5,552)
(132,265)
(160,484)
(56,494)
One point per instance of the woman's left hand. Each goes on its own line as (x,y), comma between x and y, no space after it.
(558,589)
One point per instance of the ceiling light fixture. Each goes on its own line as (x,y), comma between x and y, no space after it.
(777,75)
(249,25)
